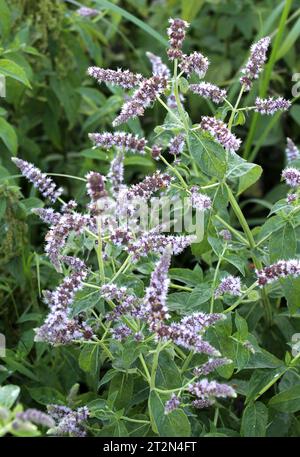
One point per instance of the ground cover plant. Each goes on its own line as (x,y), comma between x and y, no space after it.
(159,295)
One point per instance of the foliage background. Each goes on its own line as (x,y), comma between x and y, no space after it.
(51,105)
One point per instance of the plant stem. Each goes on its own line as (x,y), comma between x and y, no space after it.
(231,119)
(212,301)
(99,253)
(241,298)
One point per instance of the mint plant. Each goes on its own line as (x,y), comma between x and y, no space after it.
(167,351)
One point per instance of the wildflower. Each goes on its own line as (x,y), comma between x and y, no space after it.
(95,186)
(292,152)
(68,422)
(255,63)
(230,285)
(141,99)
(156,151)
(210,365)
(121,332)
(149,185)
(122,78)
(176,145)
(209,390)
(171,100)
(176,34)
(201,404)
(37,417)
(156,293)
(48,215)
(158,67)
(40,180)
(221,133)
(195,62)
(187,335)
(68,207)
(199,201)
(280,269)
(138,336)
(291,176)
(74,263)
(210,91)
(291,198)
(128,304)
(271,105)
(226,235)
(87,12)
(121,140)
(172,404)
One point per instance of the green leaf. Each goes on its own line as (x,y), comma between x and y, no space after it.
(283,243)
(8,395)
(11,69)
(47,395)
(208,154)
(120,390)
(168,375)
(289,41)
(5,18)
(89,359)
(287,401)
(8,136)
(254,420)
(190,9)
(242,173)
(174,424)
(190,277)
(291,291)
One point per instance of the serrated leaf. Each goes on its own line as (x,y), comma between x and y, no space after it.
(254,420)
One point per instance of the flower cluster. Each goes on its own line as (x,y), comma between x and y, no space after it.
(67,421)
(208,90)
(40,180)
(122,78)
(121,140)
(176,33)
(121,332)
(292,152)
(230,285)
(172,404)
(255,63)
(199,201)
(210,365)
(280,269)
(271,105)
(116,174)
(36,417)
(210,390)
(158,67)
(176,145)
(219,130)
(291,176)
(226,235)
(195,62)
(48,215)
(87,12)
(148,186)
(95,186)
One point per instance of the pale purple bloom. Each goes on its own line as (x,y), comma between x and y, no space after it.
(292,152)
(176,33)
(116,173)
(68,207)
(201,404)
(209,390)
(149,185)
(68,422)
(171,101)
(95,186)
(291,176)
(271,105)
(158,67)
(48,215)
(210,365)
(255,63)
(226,235)
(210,91)
(219,130)
(121,332)
(195,62)
(172,404)
(40,180)
(291,198)
(36,417)
(156,151)
(128,304)
(230,285)
(121,140)
(87,12)
(199,201)
(141,99)
(280,269)
(176,145)
(122,78)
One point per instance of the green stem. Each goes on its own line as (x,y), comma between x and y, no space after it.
(241,298)
(231,119)
(176,172)
(214,283)
(99,253)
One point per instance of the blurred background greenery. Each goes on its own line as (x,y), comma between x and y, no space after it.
(51,105)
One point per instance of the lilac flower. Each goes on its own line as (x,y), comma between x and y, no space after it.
(230,285)
(210,365)
(255,63)
(121,332)
(176,33)
(68,422)
(188,337)
(156,151)
(172,404)
(36,417)
(291,198)
(271,105)
(48,215)
(95,186)
(195,62)
(199,201)
(226,235)
(141,99)
(116,173)
(158,67)
(149,185)
(208,90)
(87,12)
(120,236)
(138,336)
(156,293)
(280,269)
(74,263)
(291,176)
(292,152)
(121,140)
(171,100)
(58,234)
(209,390)
(122,78)
(128,304)
(40,180)
(201,404)
(68,207)
(176,144)
(219,130)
